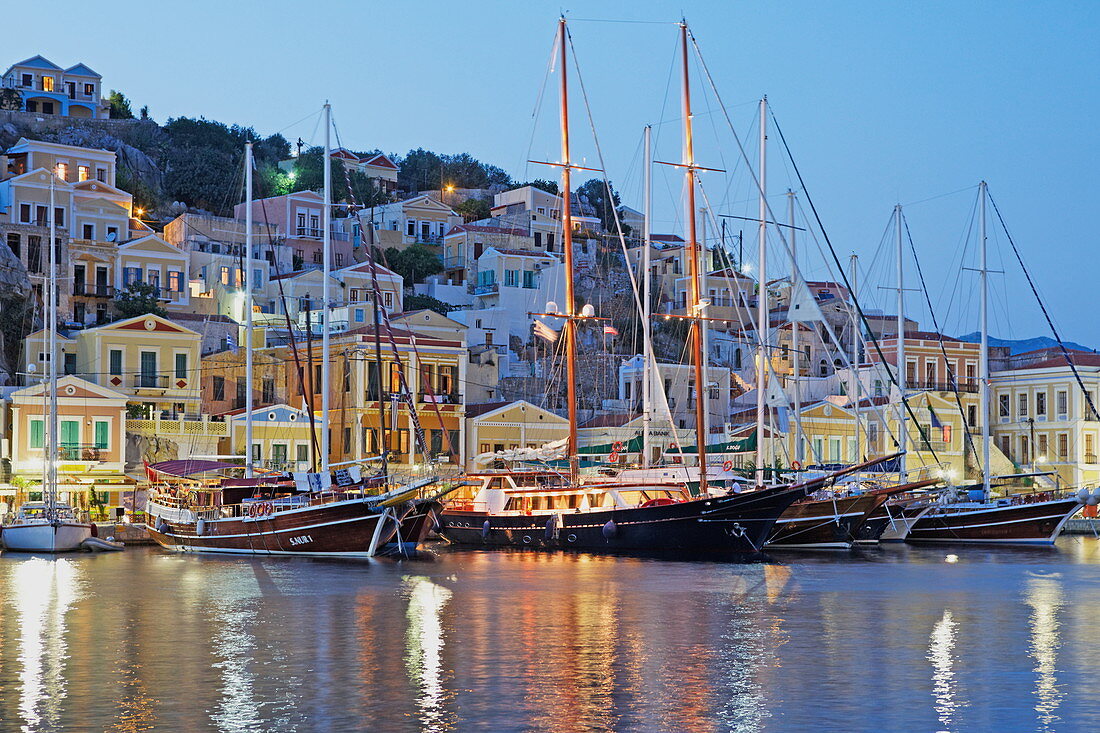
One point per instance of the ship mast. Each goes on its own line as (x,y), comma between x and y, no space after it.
(570,328)
(983,358)
(327,304)
(762,300)
(902,434)
(53,454)
(693,259)
(647,339)
(799,454)
(248,468)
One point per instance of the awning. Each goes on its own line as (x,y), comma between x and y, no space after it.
(634,445)
(741,445)
(190,467)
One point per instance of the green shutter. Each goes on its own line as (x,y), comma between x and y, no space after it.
(102,434)
(181,366)
(70,433)
(38,433)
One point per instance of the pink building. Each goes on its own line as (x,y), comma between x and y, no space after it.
(298,217)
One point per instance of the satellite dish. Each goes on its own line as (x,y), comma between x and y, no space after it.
(551,307)
(32,368)
(112,236)
(588,311)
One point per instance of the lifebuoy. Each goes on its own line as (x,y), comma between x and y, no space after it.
(727,466)
(613,457)
(618,447)
(796,465)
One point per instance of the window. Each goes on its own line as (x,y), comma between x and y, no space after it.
(1025,450)
(511,278)
(219,388)
(34,253)
(26,80)
(101,175)
(59,216)
(1041,447)
(112,234)
(148,369)
(47,83)
(1041,407)
(25,213)
(13,243)
(550,242)
(224,275)
(115,358)
(70,363)
(175,281)
(411,228)
(38,433)
(339,259)
(82,173)
(972,415)
(302,452)
(89,90)
(1063,446)
(387,299)
(1021,410)
(102,434)
(301,222)
(130,275)
(70,433)
(1061,402)
(40,213)
(63,171)
(359,315)
(910,372)
(1090,452)
(88,231)
(538,239)
(529,279)
(930,374)
(267,390)
(242,393)
(181,366)
(1002,405)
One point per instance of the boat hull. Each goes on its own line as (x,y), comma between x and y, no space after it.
(824,524)
(417,523)
(45,537)
(351,528)
(736,524)
(1020,524)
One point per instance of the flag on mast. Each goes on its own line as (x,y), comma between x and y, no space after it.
(545,332)
(610,331)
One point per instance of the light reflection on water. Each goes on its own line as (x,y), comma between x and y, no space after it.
(884,640)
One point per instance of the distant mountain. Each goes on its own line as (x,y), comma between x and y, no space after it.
(1019,346)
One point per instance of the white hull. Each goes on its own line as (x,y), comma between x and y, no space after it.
(45,537)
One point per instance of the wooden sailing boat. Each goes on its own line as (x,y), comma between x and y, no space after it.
(49,526)
(330,513)
(548,510)
(1036,518)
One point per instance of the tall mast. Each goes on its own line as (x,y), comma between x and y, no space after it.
(855,354)
(799,453)
(248,309)
(983,358)
(762,297)
(901,368)
(567,243)
(327,304)
(53,455)
(647,340)
(693,256)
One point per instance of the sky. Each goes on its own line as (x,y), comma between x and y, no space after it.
(881,103)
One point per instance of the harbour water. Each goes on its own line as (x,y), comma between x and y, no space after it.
(900,638)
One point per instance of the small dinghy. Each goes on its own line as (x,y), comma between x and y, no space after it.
(98,544)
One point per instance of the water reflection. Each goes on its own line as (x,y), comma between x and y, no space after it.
(43,591)
(941,649)
(424,649)
(1044,595)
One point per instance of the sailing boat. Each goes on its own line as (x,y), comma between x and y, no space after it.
(1036,518)
(545,509)
(330,513)
(49,526)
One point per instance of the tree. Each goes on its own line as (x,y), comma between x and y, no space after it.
(145,112)
(422,169)
(474,209)
(139,299)
(594,193)
(10,100)
(414,263)
(119,106)
(542,184)
(420,302)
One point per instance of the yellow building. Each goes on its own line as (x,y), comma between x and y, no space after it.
(280,437)
(1042,420)
(91,441)
(421,219)
(497,426)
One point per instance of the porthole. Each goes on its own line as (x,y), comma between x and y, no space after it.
(571,538)
(526,539)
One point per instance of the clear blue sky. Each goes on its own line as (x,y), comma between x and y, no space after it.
(882,102)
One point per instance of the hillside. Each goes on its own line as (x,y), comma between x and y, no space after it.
(1019,346)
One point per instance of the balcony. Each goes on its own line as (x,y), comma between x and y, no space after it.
(174,424)
(1090,458)
(488,289)
(86,453)
(967,385)
(458,262)
(150,381)
(168,295)
(89,290)
(444,398)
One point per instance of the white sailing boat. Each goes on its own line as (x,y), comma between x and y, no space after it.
(49,526)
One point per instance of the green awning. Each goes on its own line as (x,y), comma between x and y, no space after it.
(634,445)
(741,445)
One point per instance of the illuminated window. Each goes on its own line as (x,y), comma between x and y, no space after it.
(63,171)
(47,83)
(82,173)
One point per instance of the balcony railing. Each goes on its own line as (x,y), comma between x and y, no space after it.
(457,262)
(90,453)
(150,381)
(93,291)
(966,385)
(1090,458)
(446,398)
(183,425)
(488,289)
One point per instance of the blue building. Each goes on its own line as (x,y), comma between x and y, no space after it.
(48,89)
